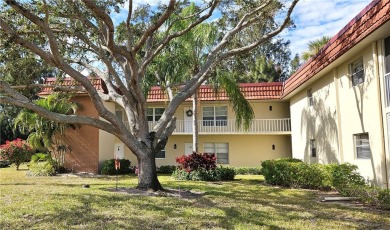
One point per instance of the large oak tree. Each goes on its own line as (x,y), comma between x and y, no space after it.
(73,35)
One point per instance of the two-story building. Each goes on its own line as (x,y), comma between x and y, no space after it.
(335,108)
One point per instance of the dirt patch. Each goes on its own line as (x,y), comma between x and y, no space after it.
(185,194)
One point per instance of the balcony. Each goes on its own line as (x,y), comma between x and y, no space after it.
(258,126)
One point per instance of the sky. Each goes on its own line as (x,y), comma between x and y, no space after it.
(313,19)
(317,18)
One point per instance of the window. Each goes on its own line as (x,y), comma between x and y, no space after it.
(221,151)
(362,146)
(387,70)
(357,72)
(154,114)
(119,114)
(161,154)
(313,148)
(215,116)
(310,100)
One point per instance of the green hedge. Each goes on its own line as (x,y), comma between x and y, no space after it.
(166,169)
(343,178)
(109,167)
(217,174)
(247,170)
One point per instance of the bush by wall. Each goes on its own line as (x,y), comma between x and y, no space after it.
(343,178)
(166,169)
(197,161)
(109,167)
(247,170)
(217,174)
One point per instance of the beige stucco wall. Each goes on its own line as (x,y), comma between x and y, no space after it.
(244,150)
(333,126)
(106,140)
(261,109)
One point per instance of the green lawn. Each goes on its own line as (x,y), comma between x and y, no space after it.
(61,203)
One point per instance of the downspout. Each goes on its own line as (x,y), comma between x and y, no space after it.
(376,73)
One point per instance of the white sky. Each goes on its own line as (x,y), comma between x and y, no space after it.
(317,18)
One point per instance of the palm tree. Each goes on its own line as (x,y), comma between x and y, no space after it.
(314,47)
(47,135)
(191,51)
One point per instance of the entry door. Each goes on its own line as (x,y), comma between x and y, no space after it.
(187,120)
(188,149)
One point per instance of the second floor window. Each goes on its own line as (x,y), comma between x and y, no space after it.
(154,114)
(215,116)
(357,72)
(313,148)
(310,100)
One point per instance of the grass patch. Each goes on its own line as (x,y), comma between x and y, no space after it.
(61,203)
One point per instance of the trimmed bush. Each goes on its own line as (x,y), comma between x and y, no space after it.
(247,170)
(226,173)
(384,199)
(166,169)
(109,167)
(345,179)
(201,174)
(295,173)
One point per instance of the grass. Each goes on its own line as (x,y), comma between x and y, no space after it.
(61,203)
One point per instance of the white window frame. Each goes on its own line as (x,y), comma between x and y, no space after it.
(215,147)
(215,121)
(386,59)
(153,115)
(356,73)
(361,141)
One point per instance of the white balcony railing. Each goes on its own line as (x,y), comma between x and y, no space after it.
(259,126)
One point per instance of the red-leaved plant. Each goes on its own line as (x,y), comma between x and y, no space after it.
(16,151)
(197,161)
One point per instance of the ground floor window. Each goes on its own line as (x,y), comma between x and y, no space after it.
(313,148)
(161,154)
(221,151)
(362,146)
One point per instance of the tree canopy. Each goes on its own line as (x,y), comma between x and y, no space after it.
(74,36)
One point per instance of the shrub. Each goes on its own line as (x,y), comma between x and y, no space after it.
(16,151)
(197,161)
(166,169)
(42,168)
(40,157)
(295,173)
(384,199)
(109,167)
(226,173)
(4,164)
(248,170)
(202,174)
(345,179)
(41,164)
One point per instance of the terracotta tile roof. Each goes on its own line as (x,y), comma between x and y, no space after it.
(252,91)
(367,21)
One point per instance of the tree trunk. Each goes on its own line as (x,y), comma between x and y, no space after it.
(147,174)
(195,122)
